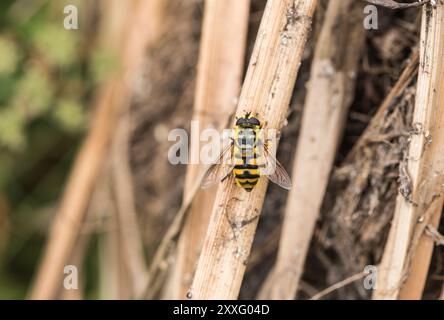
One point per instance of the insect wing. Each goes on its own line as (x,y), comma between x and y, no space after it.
(220,169)
(274,169)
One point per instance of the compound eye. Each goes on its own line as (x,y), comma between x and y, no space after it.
(254,121)
(240,121)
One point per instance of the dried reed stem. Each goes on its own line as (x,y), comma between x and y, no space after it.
(267,91)
(221,63)
(407,254)
(114,95)
(131,238)
(330,93)
(395,5)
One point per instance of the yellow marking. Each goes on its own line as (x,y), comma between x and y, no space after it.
(242,171)
(249,181)
(251,184)
(238,171)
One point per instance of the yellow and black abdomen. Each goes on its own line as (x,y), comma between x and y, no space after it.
(246,170)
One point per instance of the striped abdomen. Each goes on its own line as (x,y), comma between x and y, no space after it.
(246,170)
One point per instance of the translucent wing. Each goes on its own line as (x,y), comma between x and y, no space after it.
(274,170)
(220,169)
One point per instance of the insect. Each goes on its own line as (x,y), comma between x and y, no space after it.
(246,158)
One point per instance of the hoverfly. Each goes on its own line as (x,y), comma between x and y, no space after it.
(246,158)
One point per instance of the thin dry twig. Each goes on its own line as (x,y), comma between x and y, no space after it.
(398,89)
(157,266)
(126,212)
(339,285)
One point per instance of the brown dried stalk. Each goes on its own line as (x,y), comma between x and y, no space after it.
(397,5)
(267,91)
(407,255)
(365,186)
(130,236)
(221,57)
(114,95)
(156,271)
(329,96)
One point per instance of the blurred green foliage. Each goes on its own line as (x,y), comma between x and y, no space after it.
(47,79)
(10,57)
(57,45)
(12,127)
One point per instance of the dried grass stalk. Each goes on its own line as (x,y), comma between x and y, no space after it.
(267,91)
(407,254)
(362,192)
(221,64)
(127,220)
(329,96)
(394,5)
(70,215)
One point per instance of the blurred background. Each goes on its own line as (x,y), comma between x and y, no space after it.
(51,81)
(48,76)
(94,106)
